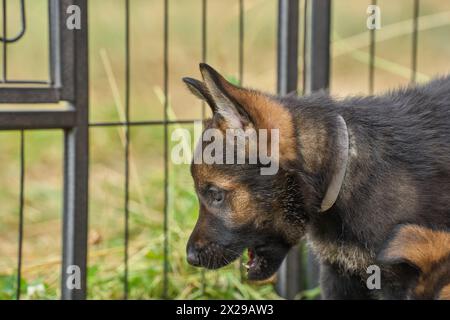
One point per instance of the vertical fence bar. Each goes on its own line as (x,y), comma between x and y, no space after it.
(4,42)
(62,52)
(21,203)
(166,150)
(288,28)
(204,56)
(204,43)
(288,278)
(317,50)
(54,40)
(372,47)
(316,77)
(242,271)
(127,145)
(76,162)
(241,41)
(415,36)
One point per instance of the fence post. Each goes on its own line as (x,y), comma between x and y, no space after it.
(317,45)
(289,274)
(76,161)
(316,76)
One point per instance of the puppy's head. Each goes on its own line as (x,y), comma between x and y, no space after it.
(422,257)
(241,208)
(251,195)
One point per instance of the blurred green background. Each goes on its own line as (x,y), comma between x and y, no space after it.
(43,149)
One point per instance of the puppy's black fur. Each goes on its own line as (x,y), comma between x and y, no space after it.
(403,142)
(398,172)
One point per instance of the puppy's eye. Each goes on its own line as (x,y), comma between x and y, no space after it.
(216,195)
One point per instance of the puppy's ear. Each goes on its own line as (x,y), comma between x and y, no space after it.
(224,95)
(416,246)
(241,108)
(199,90)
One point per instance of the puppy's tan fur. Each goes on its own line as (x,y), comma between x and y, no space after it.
(427,250)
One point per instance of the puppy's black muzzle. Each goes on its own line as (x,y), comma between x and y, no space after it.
(192,256)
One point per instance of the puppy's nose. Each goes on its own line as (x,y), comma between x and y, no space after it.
(192,256)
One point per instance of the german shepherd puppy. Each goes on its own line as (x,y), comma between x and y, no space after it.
(422,258)
(350,171)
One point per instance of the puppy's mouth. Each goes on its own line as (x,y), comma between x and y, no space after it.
(263,261)
(262,264)
(254,261)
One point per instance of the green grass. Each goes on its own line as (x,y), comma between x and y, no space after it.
(105,276)
(43,153)
(43,149)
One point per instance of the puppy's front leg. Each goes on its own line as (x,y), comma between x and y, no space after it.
(337,285)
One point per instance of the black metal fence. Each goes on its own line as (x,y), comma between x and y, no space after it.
(68,82)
